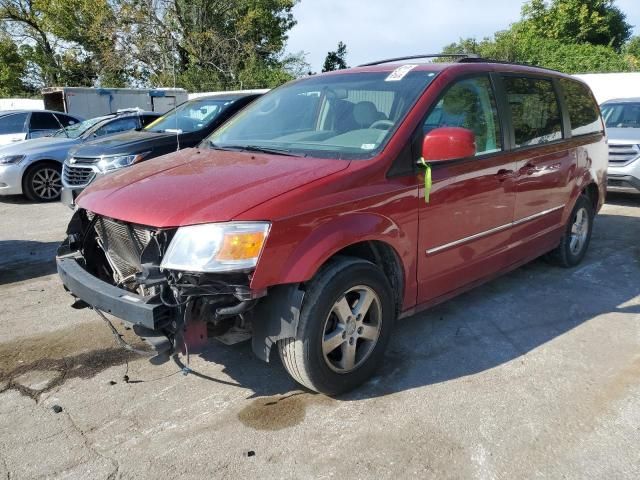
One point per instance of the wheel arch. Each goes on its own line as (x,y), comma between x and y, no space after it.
(384,256)
(586,185)
(36,163)
(592,192)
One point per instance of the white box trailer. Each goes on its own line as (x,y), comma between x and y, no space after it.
(205,94)
(89,102)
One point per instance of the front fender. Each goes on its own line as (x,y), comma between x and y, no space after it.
(294,254)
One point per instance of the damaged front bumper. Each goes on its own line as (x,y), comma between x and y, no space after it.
(148,312)
(169,309)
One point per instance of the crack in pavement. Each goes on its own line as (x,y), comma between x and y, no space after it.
(91,448)
(6,467)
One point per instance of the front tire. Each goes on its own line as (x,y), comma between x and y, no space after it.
(577,235)
(43,182)
(345,325)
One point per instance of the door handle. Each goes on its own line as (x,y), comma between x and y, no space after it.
(503,174)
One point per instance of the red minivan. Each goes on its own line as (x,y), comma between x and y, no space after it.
(339,203)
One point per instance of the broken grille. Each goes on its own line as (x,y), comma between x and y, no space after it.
(123,244)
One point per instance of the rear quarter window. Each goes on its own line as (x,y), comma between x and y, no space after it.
(535,113)
(582,108)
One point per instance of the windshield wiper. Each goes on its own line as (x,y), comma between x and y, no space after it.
(58,132)
(255,148)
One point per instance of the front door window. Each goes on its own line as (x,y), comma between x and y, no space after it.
(469,104)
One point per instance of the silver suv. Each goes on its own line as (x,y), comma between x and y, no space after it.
(622,119)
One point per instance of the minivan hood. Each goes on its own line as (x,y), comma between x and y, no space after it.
(625,135)
(129,142)
(199,186)
(37,146)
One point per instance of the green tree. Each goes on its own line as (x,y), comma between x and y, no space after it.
(64,42)
(207,44)
(598,22)
(632,47)
(336,60)
(196,44)
(574,36)
(632,52)
(12,67)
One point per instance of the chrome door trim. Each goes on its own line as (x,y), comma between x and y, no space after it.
(433,250)
(536,215)
(468,239)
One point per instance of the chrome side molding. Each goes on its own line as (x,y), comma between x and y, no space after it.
(455,243)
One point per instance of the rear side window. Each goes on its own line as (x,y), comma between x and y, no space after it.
(43,121)
(469,104)
(582,108)
(535,113)
(13,123)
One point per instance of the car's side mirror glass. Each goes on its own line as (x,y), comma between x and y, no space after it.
(448,143)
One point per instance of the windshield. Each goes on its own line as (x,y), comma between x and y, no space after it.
(345,116)
(77,129)
(621,115)
(190,116)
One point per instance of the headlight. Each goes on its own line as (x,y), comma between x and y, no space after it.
(106,164)
(216,247)
(11,159)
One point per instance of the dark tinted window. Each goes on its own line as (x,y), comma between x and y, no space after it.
(66,120)
(13,123)
(582,108)
(43,121)
(469,104)
(119,125)
(621,115)
(147,119)
(535,113)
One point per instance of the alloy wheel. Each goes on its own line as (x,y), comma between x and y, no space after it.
(47,183)
(579,231)
(352,329)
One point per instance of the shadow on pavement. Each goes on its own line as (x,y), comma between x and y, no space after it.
(24,259)
(623,199)
(16,200)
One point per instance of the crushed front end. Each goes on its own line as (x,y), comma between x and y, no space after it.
(116,267)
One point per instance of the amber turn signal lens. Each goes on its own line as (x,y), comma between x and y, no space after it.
(241,246)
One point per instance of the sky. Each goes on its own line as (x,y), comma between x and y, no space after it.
(377,29)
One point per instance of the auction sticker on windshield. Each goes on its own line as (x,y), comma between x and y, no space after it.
(399,73)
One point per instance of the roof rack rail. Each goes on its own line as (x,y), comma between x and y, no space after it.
(477,59)
(459,56)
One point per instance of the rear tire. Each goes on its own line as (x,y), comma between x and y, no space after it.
(345,324)
(43,182)
(577,235)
